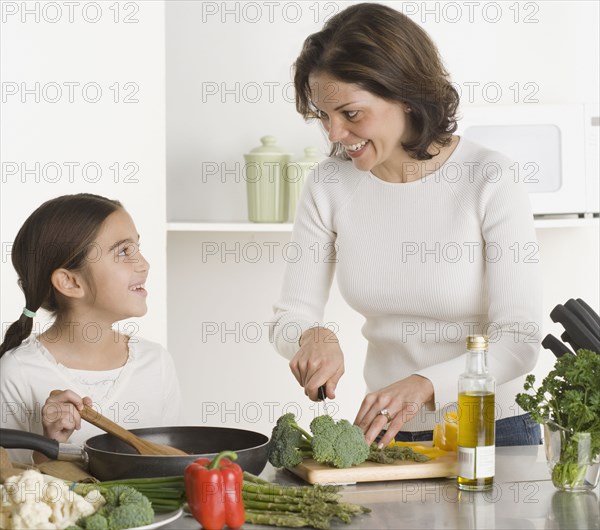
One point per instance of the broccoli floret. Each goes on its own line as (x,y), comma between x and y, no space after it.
(125,507)
(129,495)
(339,444)
(289,443)
(95,521)
(112,494)
(130,516)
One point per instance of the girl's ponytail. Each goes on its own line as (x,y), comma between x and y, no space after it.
(17,332)
(20,329)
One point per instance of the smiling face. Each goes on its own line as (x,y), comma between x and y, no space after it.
(370,128)
(118,271)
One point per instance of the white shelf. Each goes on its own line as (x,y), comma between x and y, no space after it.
(566,222)
(228,227)
(177,226)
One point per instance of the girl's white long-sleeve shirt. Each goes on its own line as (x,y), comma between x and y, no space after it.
(426,263)
(143,393)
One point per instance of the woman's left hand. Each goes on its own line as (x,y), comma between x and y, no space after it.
(402,400)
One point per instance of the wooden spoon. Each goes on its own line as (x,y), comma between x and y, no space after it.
(144,447)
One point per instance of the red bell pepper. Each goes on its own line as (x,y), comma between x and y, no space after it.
(214,491)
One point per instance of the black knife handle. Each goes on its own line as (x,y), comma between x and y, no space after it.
(592,313)
(565,338)
(322,393)
(575,329)
(14,439)
(551,343)
(584,317)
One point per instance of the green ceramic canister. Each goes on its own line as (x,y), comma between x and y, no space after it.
(296,174)
(265,174)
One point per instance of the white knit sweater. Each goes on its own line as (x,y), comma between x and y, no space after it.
(426,263)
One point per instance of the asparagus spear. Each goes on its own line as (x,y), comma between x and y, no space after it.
(275,519)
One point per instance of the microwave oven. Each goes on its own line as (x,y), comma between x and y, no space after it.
(554,151)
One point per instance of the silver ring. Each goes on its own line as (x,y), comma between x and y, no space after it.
(386,413)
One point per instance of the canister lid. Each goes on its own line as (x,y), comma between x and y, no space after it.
(268,147)
(477,342)
(311,156)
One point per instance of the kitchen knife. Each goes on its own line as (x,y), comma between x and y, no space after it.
(581,313)
(565,338)
(322,397)
(575,329)
(592,313)
(551,343)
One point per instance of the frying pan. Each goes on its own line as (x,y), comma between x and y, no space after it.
(108,458)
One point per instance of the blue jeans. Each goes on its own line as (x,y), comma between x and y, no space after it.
(516,430)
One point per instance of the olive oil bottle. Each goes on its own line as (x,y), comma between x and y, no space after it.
(476,425)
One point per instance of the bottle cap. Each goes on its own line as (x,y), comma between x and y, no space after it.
(477,342)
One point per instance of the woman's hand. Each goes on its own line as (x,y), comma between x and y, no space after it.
(60,414)
(319,361)
(402,400)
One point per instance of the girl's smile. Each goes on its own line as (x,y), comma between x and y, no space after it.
(139,289)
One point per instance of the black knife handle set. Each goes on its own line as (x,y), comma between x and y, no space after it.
(582,328)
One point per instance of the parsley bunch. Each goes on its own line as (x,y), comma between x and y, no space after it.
(569,397)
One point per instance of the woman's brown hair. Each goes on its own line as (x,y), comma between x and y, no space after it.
(384,52)
(59,234)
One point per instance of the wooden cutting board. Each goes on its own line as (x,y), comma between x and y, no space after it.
(315,473)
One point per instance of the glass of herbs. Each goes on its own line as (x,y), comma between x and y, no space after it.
(567,403)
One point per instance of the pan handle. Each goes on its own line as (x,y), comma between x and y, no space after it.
(14,439)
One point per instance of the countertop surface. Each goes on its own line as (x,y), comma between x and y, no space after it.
(523,497)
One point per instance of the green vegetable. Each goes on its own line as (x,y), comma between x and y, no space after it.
(317,506)
(96,522)
(339,444)
(569,397)
(389,455)
(130,516)
(289,443)
(125,508)
(266,503)
(164,493)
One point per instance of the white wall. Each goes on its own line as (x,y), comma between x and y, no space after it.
(229,78)
(226,295)
(228,75)
(112,57)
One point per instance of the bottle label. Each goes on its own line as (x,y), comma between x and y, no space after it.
(476,462)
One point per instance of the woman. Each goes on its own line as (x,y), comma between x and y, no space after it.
(425,227)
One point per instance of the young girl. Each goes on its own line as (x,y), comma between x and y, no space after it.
(78,257)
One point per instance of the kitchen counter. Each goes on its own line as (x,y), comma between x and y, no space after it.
(523,497)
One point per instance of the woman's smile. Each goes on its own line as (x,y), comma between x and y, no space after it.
(355,150)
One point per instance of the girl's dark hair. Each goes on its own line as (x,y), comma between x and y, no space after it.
(387,54)
(59,234)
